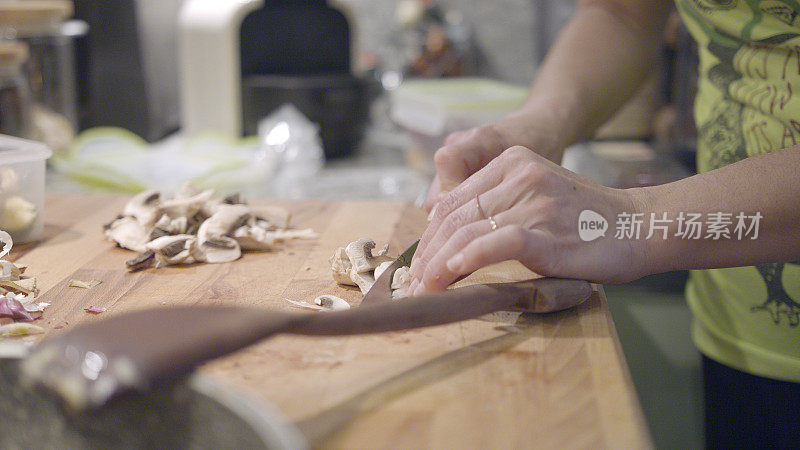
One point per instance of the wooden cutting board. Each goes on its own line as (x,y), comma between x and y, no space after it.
(548,381)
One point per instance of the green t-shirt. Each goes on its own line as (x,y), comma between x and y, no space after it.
(748,103)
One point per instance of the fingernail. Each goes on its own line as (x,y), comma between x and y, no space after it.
(413,286)
(454,264)
(420,289)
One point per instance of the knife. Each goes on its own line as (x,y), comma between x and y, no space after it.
(90,364)
(381,290)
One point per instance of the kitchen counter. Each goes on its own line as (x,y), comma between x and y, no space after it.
(538,381)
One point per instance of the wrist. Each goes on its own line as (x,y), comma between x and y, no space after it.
(534,128)
(646,254)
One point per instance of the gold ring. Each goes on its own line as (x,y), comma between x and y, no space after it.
(492,222)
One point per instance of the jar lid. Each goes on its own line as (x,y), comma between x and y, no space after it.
(29,12)
(13,52)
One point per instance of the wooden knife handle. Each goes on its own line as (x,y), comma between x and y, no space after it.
(544,295)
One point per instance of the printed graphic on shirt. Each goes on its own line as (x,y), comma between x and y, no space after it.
(755,108)
(714,5)
(721,137)
(778,303)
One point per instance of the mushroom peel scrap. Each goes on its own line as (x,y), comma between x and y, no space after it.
(16,290)
(192,227)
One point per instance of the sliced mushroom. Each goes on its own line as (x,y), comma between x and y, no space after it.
(361,257)
(233,199)
(106,226)
(168,225)
(397,294)
(364,280)
(254,238)
(172,249)
(226,220)
(186,206)
(331,303)
(144,207)
(218,250)
(381,268)
(7,242)
(257,238)
(271,217)
(128,233)
(157,232)
(401,278)
(322,303)
(143,261)
(340,266)
(223,227)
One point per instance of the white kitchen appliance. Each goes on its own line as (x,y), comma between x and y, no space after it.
(209,64)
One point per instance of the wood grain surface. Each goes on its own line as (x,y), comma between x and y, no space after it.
(548,381)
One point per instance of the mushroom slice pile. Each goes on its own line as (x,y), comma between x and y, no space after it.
(355,265)
(192,227)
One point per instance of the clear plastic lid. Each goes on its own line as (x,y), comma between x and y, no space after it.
(429,106)
(15,150)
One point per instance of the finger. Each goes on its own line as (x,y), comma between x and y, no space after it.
(466,154)
(434,194)
(483,181)
(472,212)
(463,200)
(435,276)
(434,238)
(454,137)
(466,253)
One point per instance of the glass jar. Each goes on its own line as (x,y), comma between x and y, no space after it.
(43,26)
(15,94)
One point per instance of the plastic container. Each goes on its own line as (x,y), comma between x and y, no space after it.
(22,182)
(429,110)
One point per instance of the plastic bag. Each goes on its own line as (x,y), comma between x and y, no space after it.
(293,143)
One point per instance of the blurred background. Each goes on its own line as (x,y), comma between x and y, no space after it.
(336,99)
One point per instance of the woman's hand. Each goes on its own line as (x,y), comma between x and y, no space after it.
(466,152)
(535,205)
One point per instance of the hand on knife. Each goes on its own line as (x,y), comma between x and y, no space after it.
(529,209)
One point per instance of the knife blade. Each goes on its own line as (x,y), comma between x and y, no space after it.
(381,290)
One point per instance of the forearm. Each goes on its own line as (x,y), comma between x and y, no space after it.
(596,64)
(766,185)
